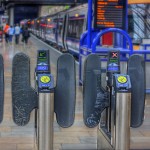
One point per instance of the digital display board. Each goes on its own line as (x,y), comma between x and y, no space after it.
(113,57)
(42,56)
(42,68)
(43,61)
(110,14)
(113,61)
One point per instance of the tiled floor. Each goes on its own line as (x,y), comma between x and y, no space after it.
(76,137)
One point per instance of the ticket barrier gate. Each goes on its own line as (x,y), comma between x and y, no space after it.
(117,106)
(46,98)
(114,132)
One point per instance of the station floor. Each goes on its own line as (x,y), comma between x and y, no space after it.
(77,137)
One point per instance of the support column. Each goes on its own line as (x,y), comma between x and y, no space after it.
(11,16)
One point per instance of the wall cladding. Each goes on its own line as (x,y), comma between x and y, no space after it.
(25,12)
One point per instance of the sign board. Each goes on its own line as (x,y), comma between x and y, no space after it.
(110,14)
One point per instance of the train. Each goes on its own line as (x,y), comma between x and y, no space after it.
(65,28)
(62,29)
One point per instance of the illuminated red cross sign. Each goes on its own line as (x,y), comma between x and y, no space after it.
(114,55)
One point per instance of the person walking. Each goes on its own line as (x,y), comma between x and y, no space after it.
(6,32)
(17,33)
(26,35)
(11,31)
(21,32)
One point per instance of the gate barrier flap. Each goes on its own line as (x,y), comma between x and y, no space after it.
(65,91)
(136,71)
(94,96)
(24,98)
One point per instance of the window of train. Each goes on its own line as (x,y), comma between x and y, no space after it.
(60,25)
(139,22)
(54,25)
(51,25)
(75,27)
(48,29)
(42,24)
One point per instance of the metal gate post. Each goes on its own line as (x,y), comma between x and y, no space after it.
(46,117)
(49,121)
(41,121)
(122,93)
(123,112)
(45,111)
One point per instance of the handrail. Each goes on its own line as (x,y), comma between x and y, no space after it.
(125,34)
(82,37)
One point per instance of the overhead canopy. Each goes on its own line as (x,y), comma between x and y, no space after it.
(45,2)
(138,1)
(60,2)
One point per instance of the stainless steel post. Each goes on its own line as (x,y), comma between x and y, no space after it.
(49,118)
(118,138)
(41,121)
(45,121)
(123,111)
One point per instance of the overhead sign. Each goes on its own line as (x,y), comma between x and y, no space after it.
(110,14)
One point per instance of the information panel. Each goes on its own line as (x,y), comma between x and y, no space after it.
(110,14)
(113,61)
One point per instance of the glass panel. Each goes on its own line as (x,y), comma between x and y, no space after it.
(139,22)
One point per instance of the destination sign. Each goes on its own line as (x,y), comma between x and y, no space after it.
(110,14)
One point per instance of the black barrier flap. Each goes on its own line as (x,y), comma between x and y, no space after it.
(94,96)
(136,71)
(24,98)
(65,91)
(1,87)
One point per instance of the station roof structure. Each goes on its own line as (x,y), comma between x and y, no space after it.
(44,2)
(138,1)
